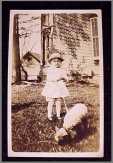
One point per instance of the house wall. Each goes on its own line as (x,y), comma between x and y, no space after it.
(72,37)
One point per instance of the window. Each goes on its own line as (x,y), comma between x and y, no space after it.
(95,38)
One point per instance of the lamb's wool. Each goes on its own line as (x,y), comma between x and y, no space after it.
(71,119)
(74,115)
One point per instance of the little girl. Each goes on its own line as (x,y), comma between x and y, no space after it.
(55,88)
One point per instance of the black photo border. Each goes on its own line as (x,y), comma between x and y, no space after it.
(105,6)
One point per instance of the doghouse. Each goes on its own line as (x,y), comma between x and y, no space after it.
(31,66)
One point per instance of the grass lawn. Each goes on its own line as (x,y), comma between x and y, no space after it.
(31,130)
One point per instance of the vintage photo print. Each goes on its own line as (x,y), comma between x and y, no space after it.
(55,84)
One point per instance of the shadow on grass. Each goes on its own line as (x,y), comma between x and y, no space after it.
(82,83)
(84,129)
(18,107)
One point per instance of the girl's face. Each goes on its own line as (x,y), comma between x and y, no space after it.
(56,62)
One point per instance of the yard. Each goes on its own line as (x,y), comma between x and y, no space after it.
(31,130)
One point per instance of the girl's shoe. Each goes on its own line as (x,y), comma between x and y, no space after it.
(59,118)
(50,118)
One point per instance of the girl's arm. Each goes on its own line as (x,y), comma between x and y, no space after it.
(64,76)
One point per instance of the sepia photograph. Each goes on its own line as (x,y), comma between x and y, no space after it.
(55,84)
(56,76)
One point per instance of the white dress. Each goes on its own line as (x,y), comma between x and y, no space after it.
(54,88)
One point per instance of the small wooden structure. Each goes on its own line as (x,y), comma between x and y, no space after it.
(31,66)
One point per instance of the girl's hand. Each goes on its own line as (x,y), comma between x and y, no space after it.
(62,79)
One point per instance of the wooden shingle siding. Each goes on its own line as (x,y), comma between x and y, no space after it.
(72,36)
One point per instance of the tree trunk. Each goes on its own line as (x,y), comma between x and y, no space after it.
(16,49)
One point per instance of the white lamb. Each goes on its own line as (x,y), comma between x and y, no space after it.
(71,119)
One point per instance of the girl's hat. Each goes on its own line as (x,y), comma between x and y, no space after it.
(54,56)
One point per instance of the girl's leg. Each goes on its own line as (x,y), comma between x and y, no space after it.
(50,108)
(58,107)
